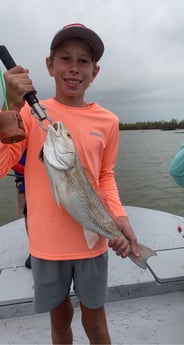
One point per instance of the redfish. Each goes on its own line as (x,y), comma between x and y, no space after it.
(72,189)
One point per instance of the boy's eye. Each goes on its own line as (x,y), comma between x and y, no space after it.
(84,61)
(65,58)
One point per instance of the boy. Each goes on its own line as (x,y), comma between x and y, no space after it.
(57,245)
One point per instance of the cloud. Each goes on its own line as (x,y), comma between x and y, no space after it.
(142,70)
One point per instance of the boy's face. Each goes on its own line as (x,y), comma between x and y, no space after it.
(73,69)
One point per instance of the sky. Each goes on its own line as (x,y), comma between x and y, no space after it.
(141,74)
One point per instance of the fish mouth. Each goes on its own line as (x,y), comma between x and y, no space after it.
(55,126)
(58,128)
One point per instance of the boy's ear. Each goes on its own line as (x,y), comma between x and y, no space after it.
(49,65)
(96,69)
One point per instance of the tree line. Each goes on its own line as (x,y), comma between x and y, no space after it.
(162,125)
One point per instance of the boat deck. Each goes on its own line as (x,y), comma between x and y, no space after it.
(146,320)
(143,307)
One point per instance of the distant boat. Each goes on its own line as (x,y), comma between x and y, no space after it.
(168,129)
(179,131)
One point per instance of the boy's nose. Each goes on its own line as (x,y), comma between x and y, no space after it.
(74,68)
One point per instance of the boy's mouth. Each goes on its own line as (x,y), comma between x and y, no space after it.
(72,81)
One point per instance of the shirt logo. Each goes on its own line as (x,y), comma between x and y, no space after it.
(96,134)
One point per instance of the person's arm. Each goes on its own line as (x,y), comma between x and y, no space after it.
(176,168)
(109,187)
(107,181)
(10,154)
(17,84)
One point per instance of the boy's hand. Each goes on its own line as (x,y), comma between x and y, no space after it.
(18,84)
(128,241)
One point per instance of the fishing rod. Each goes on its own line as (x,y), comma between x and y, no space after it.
(30,97)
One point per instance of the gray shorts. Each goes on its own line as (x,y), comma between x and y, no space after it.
(53,280)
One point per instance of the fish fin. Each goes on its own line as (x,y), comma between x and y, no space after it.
(144,254)
(53,183)
(56,194)
(91,238)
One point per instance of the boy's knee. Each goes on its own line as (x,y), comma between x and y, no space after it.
(61,316)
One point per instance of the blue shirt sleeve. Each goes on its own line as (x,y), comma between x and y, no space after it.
(176,168)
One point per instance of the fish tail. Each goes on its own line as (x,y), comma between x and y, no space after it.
(144,254)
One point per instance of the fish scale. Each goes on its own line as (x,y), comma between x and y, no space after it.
(90,213)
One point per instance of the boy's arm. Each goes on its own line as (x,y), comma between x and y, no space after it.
(10,154)
(107,181)
(109,187)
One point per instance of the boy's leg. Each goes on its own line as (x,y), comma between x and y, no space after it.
(52,281)
(90,286)
(61,318)
(95,325)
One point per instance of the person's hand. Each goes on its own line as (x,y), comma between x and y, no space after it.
(18,84)
(125,243)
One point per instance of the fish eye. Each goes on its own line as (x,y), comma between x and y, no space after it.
(68,135)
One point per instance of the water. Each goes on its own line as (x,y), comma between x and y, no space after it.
(142,170)
(141,174)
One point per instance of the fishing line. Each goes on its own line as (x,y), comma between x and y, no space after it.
(3,90)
